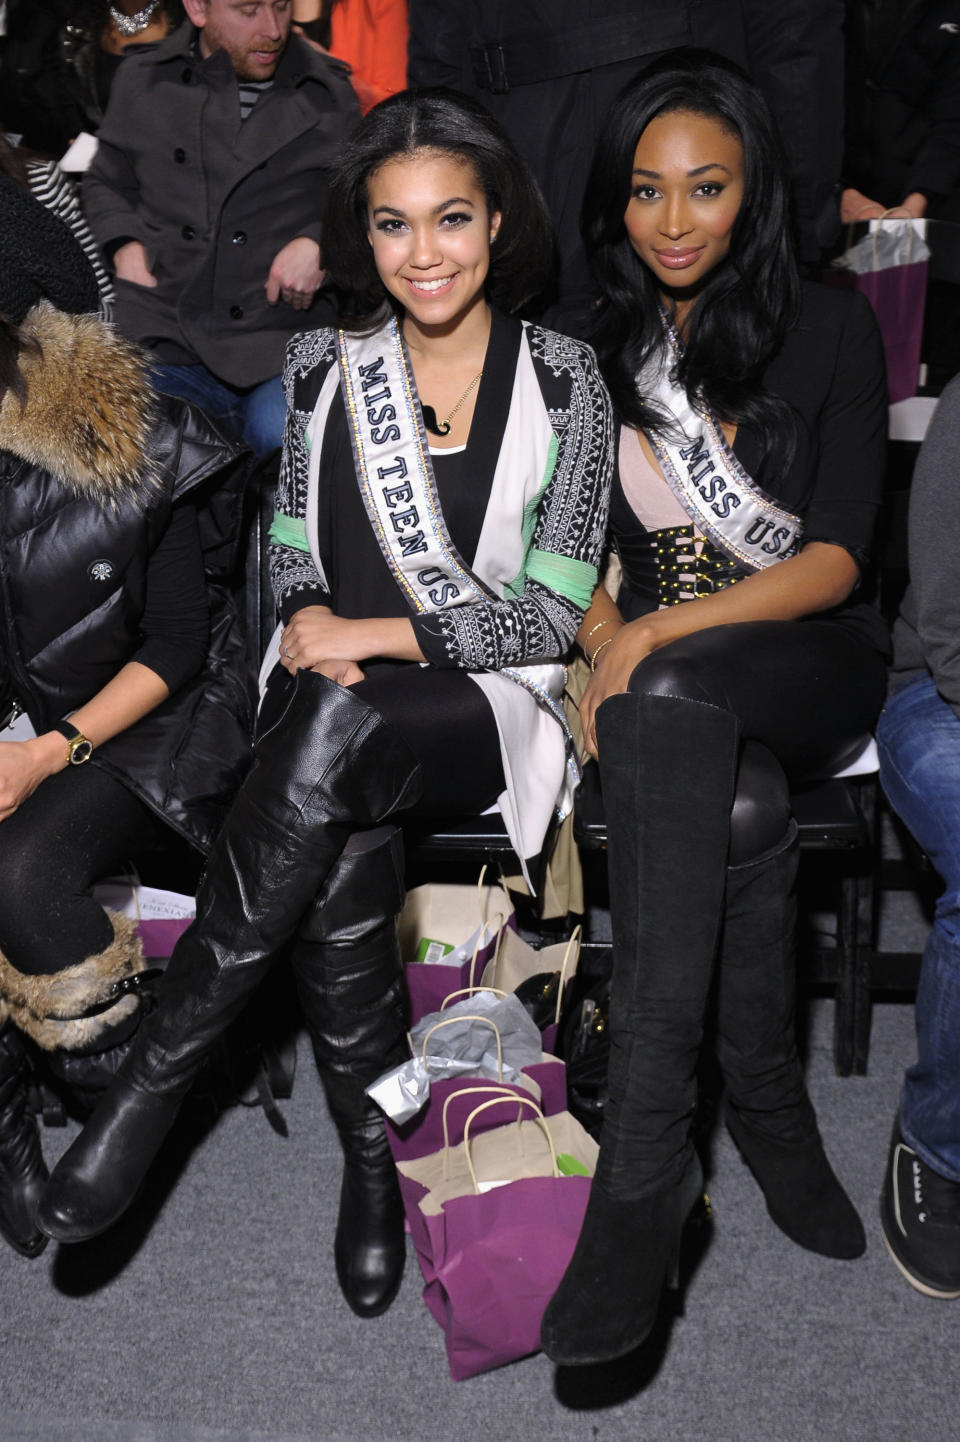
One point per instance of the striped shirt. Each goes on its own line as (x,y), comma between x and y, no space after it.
(250,92)
(50,186)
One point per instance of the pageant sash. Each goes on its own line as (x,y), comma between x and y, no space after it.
(707,479)
(396,481)
(394,473)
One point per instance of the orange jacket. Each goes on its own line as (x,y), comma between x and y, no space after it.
(371,36)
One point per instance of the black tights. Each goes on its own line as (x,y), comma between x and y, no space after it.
(79,826)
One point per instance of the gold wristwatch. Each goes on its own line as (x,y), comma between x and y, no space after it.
(79,747)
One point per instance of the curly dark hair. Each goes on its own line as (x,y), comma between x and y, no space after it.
(747,303)
(521,261)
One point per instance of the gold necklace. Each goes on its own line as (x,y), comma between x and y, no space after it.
(442,428)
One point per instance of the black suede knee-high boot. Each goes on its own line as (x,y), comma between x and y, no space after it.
(22,1169)
(769,1113)
(668,769)
(346,962)
(330,765)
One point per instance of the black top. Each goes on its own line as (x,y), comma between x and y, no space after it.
(362,584)
(831,371)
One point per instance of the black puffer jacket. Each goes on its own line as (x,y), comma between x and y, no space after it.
(89,473)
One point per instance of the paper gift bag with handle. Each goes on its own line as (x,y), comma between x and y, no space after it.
(545,1081)
(889,266)
(448,933)
(501,1215)
(515,964)
(161,916)
(450,1119)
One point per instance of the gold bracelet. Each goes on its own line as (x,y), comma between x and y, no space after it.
(607,620)
(593,658)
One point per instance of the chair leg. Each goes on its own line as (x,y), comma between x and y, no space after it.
(856,941)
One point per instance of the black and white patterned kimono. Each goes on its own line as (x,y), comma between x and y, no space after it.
(522,508)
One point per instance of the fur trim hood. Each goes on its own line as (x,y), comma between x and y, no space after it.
(88,413)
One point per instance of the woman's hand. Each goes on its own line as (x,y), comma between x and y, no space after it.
(24,764)
(345,673)
(615,666)
(314,638)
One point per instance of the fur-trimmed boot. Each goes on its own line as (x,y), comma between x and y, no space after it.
(84,1007)
(22,1170)
(330,765)
(668,769)
(82,1017)
(769,1113)
(346,962)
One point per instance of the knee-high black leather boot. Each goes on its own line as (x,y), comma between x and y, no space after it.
(22,1169)
(346,962)
(668,768)
(769,1114)
(329,765)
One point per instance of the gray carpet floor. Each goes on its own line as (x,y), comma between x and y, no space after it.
(212,1314)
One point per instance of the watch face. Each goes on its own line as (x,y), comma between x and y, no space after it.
(80,750)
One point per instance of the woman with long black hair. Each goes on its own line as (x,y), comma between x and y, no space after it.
(440,518)
(751,447)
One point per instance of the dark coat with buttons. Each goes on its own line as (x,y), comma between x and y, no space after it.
(89,473)
(214,199)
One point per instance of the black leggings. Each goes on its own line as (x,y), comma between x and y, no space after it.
(446,721)
(806,694)
(79,826)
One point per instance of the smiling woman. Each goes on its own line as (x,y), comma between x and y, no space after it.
(750,455)
(429,588)
(682,208)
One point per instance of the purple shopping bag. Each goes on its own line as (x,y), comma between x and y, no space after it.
(495,1234)
(448,934)
(515,961)
(450,1100)
(898,296)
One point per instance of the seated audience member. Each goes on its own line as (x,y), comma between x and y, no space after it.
(47,183)
(59,60)
(902,145)
(370,35)
(216,248)
(919,740)
(123,696)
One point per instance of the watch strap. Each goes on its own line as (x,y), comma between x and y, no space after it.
(80,747)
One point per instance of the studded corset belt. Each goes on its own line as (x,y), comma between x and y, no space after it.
(675,564)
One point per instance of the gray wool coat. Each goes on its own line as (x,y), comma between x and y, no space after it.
(212,199)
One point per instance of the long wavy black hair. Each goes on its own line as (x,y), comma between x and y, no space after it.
(747,303)
(521,259)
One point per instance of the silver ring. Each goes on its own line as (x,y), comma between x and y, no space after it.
(286,652)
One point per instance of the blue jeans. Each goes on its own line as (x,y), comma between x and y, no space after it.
(255,416)
(918,737)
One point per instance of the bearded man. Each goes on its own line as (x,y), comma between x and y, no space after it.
(207,195)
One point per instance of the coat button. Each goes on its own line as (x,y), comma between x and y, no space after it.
(179,155)
(188,232)
(236,312)
(187,76)
(240,237)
